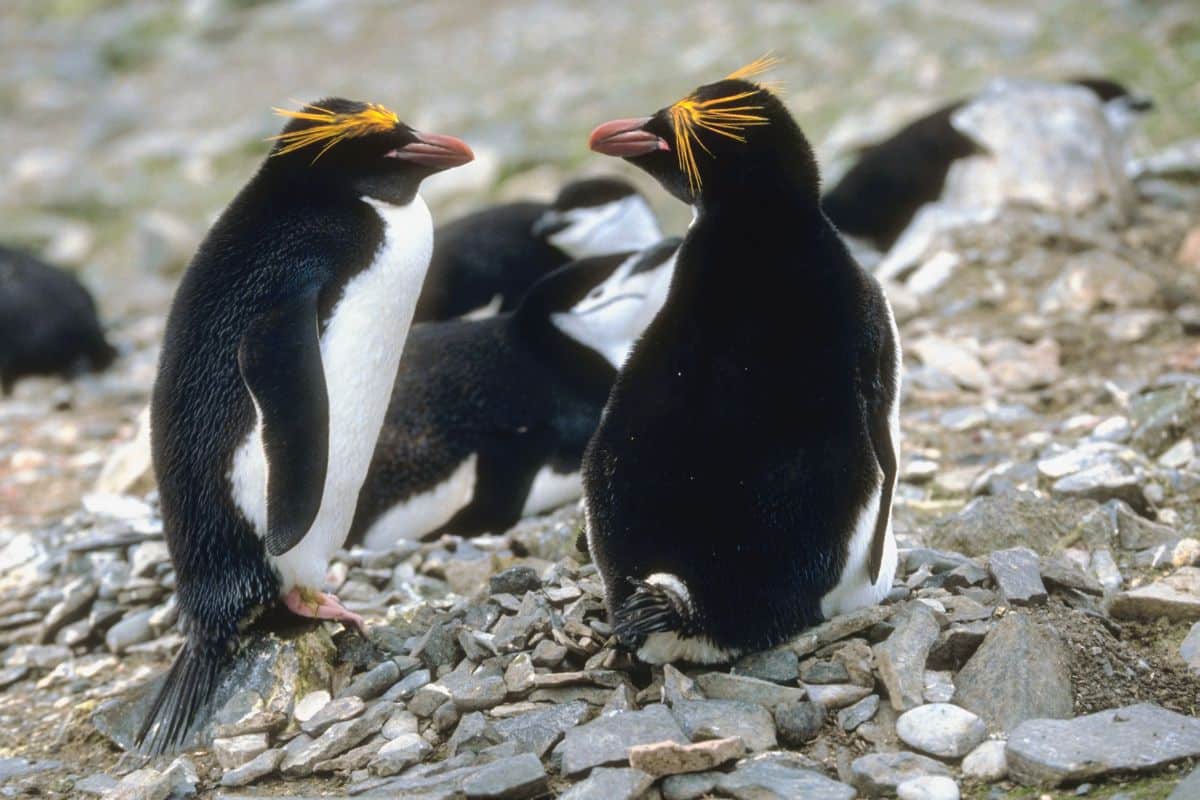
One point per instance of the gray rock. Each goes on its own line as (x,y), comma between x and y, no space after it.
(836,695)
(611,783)
(1135,738)
(770,776)
(1107,480)
(607,740)
(987,763)
(721,719)
(262,765)
(900,659)
(537,731)
(721,686)
(339,710)
(399,754)
(548,653)
(941,729)
(878,774)
(1062,575)
(841,627)
(11,768)
(939,686)
(1018,576)
(338,738)
(1189,649)
(409,685)
(97,783)
(518,777)
(308,705)
(1020,672)
(10,675)
(1161,417)
(1176,597)
(688,787)
(77,599)
(399,723)
(677,687)
(474,733)
(780,665)
(800,722)
(237,751)
(1188,788)
(356,758)
(519,675)
(851,717)
(515,581)
(1015,519)
(374,682)
(142,784)
(824,672)
(1136,532)
(928,787)
(133,629)
(474,692)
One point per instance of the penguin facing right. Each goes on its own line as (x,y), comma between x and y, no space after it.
(48,323)
(484,262)
(489,417)
(739,487)
(880,194)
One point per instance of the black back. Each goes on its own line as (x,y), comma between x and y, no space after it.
(48,323)
(511,389)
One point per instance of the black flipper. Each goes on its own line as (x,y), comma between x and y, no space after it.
(879,424)
(650,609)
(280,360)
(185,693)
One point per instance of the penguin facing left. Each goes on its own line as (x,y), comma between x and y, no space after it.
(278,360)
(739,487)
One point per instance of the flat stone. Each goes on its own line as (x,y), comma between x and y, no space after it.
(719,719)
(1176,597)
(610,783)
(824,672)
(537,731)
(900,659)
(515,581)
(236,751)
(1020,672)
(1017,573)
(780,665)
(1107,480)
(374,682)
(879,774)
(308,705)
(474,733)
(356,758)
(133,629)
(1060,574)
(941,729)
(10,675)
(671,758)
(721,686)
(928,787)
(797,723)
(473,692)
(688,787)
(607,740)
(956,644)
(399,754)
(939,686)
(987,763)
(836,695)
(339,710)
(513,778)
(1135,532)
(399,723)
(770,776)
(337,739)
(1188,788)
(1013,519)
(851,717)
(263,764)
(677,687)
(1135,738)
(841,627)
(1189,649)
(547,653)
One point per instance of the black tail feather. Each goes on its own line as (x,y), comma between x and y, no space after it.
(650,609)
(185,693)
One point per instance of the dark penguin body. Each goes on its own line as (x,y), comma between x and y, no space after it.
(485,261)
(738,489)
(489,418)
(880,194)
(48,323)
(277,352)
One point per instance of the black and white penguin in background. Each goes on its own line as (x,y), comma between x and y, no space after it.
(485,262)
(880,194)
(48,323)
(739,487)
(489,417)
(277,365)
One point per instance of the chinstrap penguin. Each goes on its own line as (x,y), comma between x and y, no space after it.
(889,181)
(48,323)
(484,262)
(739,486)
(277,365)
(489,417)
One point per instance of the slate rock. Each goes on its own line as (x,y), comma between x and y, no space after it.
(515,581)
(1017,573)
(1135,532)
(836,695)
(1020,672)
(339,710)
(610,783)
(374,682)
(474,733)
(928,787)
(878,774)
(1135,738)
(237,751)
(474,692)
(399,754)
(721,686)
(537,731)
(1189,649)
(941,729)
(688,787)
(337,739)
(824,672)
(1176,597)
(720,719)
(308,705)
(607,740)
(1188,788)
(263,764)
(780,665)
(900,659)
(772,775)
(512,778)
(851,717)
(1015,519)
(800,722)
(142,784)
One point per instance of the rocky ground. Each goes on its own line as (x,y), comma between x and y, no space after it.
(1043,635)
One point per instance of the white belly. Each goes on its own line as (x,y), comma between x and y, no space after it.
(360,351)
(424,512)
(552,489)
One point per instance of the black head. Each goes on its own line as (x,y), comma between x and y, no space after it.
(362,147)
(563,288)
(1106,89)
(725,140)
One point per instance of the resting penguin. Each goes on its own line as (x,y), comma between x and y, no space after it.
(489,417)
(48,322)
(739,487)
(880,194)
(277,365)
(486,261)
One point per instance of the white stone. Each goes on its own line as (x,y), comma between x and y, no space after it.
(308,706)
(928,787)
(986,763)
(941,729)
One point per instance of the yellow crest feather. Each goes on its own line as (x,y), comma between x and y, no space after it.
(332,127)
(721,115)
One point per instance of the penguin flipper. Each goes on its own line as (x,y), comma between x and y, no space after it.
(880,429)
(650,609)
(280,360)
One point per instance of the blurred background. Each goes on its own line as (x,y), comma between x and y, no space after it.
(128,124)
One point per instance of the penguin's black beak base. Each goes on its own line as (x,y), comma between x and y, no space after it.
(624,138)
(436,151)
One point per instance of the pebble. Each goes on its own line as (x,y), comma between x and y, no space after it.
(1176,597)
(688,787)
(373,683)
(836,695)
(262,765)
(941,729)
(671,758)
(515,581)
(719,719)
(142,784)
(512,778)
(611,783)
(1018,577)
(800,722)
(400,723)
(928,787)
(901,658)
(780,665)
(474,692)
(987,763)
(864,710)
(338,710)
(781,775)
(133,629)
(308,705)
(237,751)
(720,686)
(606,740)
(399,754)
(303,752)
(879,774)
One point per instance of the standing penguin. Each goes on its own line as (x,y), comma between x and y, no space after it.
(739,487)
(486,261)
(489,417)
(277,365)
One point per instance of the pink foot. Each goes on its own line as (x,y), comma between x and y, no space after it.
(319,605)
